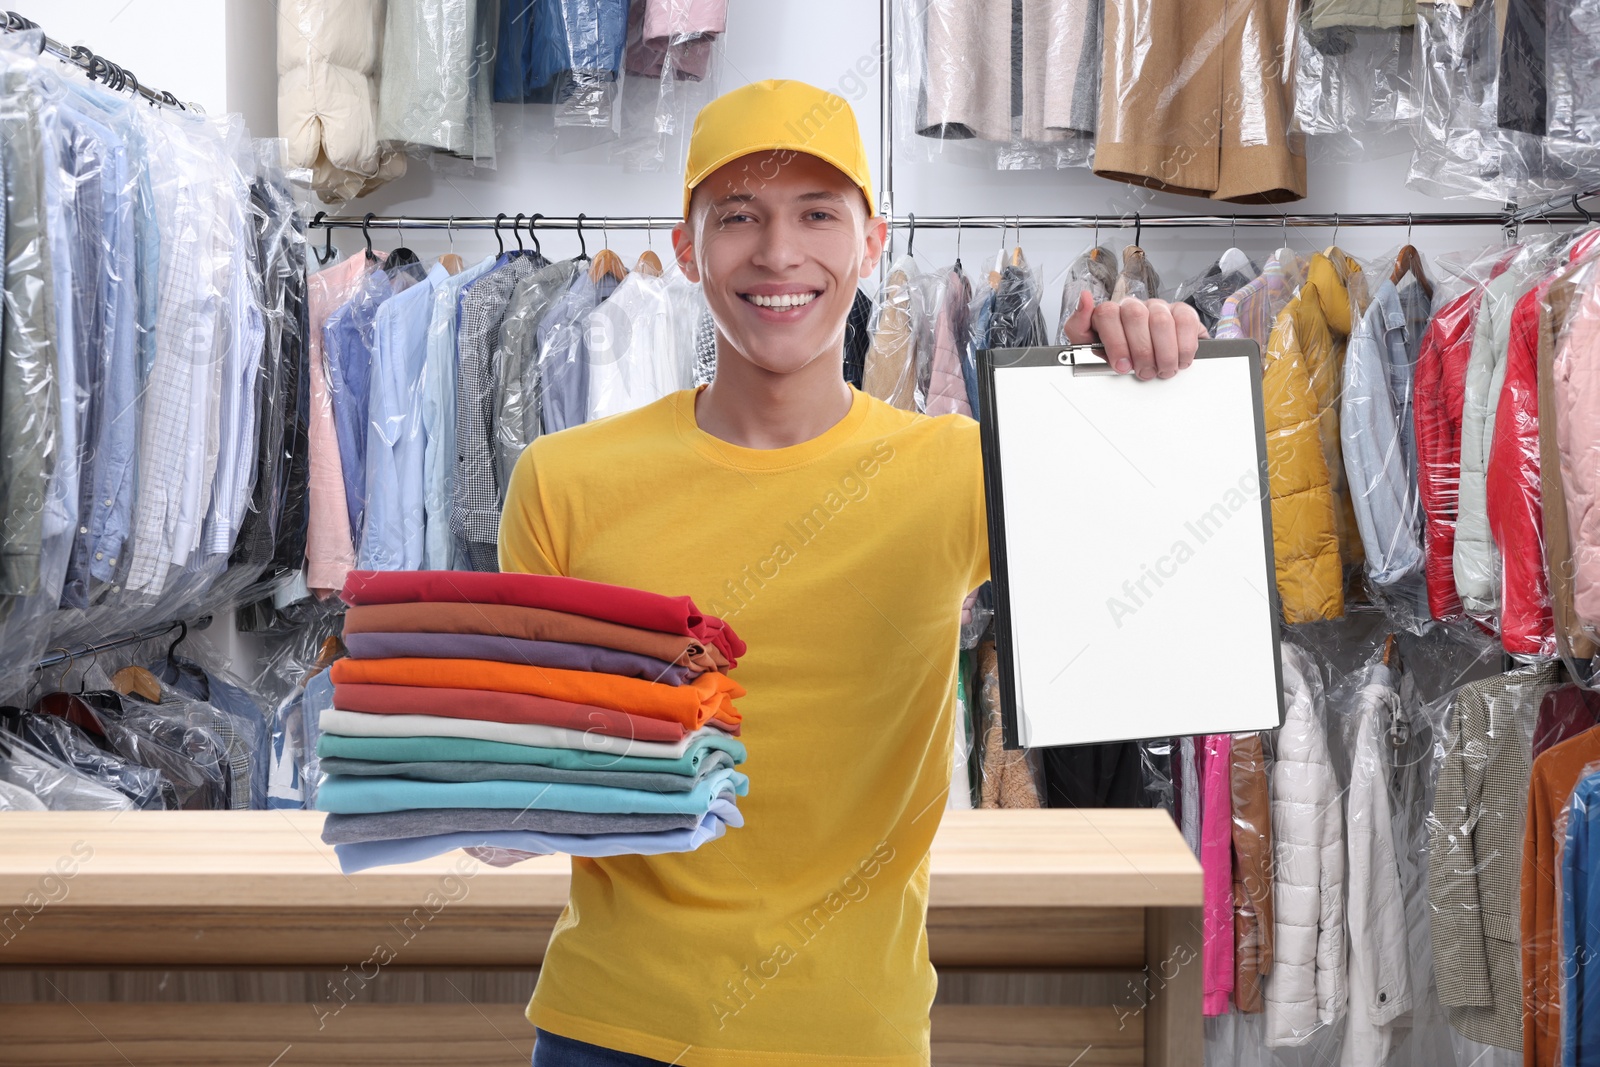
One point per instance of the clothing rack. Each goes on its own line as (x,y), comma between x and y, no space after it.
(68,655)
(951,222)
(97,67)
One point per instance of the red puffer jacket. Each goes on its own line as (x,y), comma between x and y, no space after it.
(1440,378)
(1516,516)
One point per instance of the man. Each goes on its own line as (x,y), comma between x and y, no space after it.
(838,536)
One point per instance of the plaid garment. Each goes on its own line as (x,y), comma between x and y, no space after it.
(172,470)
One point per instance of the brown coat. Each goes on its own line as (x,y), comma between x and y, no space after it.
(1198,98)
(1252,871)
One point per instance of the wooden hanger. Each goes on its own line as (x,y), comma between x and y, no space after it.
(137,681)
(452,263)
(607,262)
(1410,262)
(649,264)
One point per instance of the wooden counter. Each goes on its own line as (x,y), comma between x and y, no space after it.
(256,891)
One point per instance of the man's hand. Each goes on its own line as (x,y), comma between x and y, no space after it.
(1151,338)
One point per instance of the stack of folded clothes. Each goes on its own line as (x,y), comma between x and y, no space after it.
(527,713)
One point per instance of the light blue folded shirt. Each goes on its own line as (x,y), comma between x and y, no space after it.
(358,794)
(364,854)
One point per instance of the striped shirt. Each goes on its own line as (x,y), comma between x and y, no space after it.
(1253,309)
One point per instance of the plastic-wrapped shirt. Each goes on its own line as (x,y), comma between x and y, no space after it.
(521,415)
(640,342)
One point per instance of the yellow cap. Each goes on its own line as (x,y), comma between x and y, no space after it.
(772,116)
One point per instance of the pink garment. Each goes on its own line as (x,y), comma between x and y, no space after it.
(675,35)
(1214,762)
(1577,397)
(330,547)
(947,388)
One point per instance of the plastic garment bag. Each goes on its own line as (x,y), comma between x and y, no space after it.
(1016,85)
(890,372)
(671,66)
(563,363)
(565,52)
(1381,985)
(950,362)
(1475,852)
(437,76)
(1208,291)
(639,342)
(521,413)
(1354,92)
(191,758)
(1376,427)
(1005,779)
(1578,993)
(328,61)
(1577,399)
(1197,98)
(1093,272)
(1306,989)
(74,747)
(53,783)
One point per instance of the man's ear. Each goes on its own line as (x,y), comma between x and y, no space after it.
(877,233)
(683,251)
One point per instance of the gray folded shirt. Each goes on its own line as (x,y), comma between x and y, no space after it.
(388,825)
(462,771)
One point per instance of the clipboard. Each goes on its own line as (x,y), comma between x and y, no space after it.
(1130,546)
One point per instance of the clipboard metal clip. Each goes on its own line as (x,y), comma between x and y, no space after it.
(1068,356)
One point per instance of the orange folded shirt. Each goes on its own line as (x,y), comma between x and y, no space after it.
(706,697)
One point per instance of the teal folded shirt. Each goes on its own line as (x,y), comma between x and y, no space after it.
(472,750)
(356,795)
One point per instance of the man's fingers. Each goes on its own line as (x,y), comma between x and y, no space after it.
(1107,321)
(1163,337)
(1186,320)
(1078,328)
(1135,319)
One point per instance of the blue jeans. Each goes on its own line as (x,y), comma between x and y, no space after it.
(553,1050)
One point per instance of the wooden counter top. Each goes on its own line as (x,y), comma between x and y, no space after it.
(275,860)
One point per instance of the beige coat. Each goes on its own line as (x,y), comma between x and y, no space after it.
(327,95)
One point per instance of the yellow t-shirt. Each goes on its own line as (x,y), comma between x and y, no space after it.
(842,562)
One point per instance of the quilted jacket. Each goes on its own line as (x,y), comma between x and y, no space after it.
(327,95)
(1306,989)
(1314,531)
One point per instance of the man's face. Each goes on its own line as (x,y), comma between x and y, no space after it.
(779,241)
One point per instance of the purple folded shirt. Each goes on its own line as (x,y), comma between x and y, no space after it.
(558,654)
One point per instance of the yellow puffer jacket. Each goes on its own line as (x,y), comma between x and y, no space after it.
(1313,523)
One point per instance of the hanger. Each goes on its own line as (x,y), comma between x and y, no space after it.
(1138,230)
(1094,242)
(911,236)
(516,231)
(450,261)
(366,235)
(498,219)
(583,246)
(1333,245)
(1409,261)
(69,706)
(958,244)
(649,263)
(402,256)
(607,262)
(326,256)
(534,237)
(1016,251)
(1588,219)
(999,257)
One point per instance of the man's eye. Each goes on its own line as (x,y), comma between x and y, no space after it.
(740,217)
(820,216)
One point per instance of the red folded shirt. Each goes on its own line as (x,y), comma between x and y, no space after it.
(597,600)
(487,705)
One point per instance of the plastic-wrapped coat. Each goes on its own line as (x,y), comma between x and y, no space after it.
(1577,393)
(1477,564)
(1306,989)
(327,95)
(1512,488)
(1440,377)
(1313,524)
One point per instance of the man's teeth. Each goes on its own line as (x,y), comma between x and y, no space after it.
(782,301)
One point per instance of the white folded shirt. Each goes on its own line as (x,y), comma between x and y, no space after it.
(366,724)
